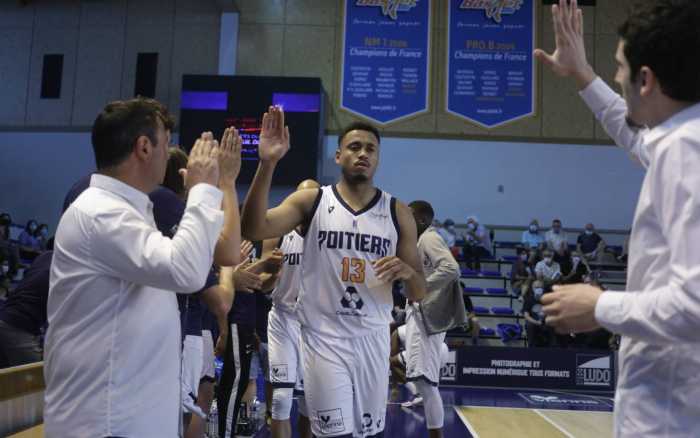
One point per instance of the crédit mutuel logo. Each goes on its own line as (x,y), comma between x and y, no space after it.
(389,7)
(593,370)
(495,9)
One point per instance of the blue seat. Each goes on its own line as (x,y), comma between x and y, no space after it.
(473,290)
(510,258)
(509,332)
(487,331)
(469,273)
(496,291)
(481,309)
(490,273)
(499,310)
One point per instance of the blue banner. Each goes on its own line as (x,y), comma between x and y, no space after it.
(545,368)
(386,58)
(490,75)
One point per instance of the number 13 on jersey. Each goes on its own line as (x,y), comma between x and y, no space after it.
(353,270)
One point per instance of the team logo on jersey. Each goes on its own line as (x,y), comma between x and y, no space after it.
(279,372)
(495,9)
(351,299)
(331,208)
(291,237)
(367,423)
(390,7)
(331,421)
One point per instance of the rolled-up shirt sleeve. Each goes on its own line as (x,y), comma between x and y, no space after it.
(446,267)
(670,313)
(611,111)
(132,250)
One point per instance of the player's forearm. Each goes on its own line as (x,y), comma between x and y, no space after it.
(255,207)
(416,287)
(228,247)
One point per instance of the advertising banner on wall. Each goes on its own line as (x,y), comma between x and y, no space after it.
(491,70)
(386,58)
(545,368)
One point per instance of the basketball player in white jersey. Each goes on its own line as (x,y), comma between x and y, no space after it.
(283,332)
(358,240)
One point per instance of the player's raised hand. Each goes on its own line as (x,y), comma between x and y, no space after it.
(202,165)
(569,57)
(230,156)
(391,268)
(274,136)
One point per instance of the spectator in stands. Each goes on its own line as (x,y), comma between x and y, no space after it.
(556,238)
(521,276)
(589,243)
(29,244)
(532,238)
(538,334)
(547,270)
(9,251)
(43,236)
(24,314)
(477,243)
(578,270)
(449,233)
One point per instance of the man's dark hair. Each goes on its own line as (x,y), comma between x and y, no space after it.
(358,126)
(177,159)
(664,35)
(121,123)
(556,221)
(424,210)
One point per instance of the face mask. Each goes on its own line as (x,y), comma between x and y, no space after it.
(548,260)
(538,292)
(451,229)
(32,228)
(523,257)
(533,228)
(471,226)
(576,260)
(589,232)
(44,233)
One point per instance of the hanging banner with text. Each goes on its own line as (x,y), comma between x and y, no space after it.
(386,58)
(544,368)
(490,74)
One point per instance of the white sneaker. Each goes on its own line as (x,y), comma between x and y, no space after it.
(417,401)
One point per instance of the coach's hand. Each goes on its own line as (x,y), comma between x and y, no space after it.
(230,157)
(569,57)
(203,164)
(274,136)
(571,309)
(391,268)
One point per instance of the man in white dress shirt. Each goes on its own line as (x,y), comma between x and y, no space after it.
(658,122)
(112,363)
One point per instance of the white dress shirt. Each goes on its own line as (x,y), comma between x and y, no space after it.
(112,360)
(658,389)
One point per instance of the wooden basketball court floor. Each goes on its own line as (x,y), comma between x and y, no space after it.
(491,413)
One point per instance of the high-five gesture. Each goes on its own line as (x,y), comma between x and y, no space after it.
(202,165)
(274,137)
(569,57)
(230,157)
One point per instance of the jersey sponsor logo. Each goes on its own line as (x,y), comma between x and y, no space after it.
(330,421)
(293,259)
(279,372)
(331,208)
(348,240)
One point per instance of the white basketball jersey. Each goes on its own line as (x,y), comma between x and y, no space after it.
(340,295)
(285,295)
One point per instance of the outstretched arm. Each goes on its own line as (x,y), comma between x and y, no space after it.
(259,223)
